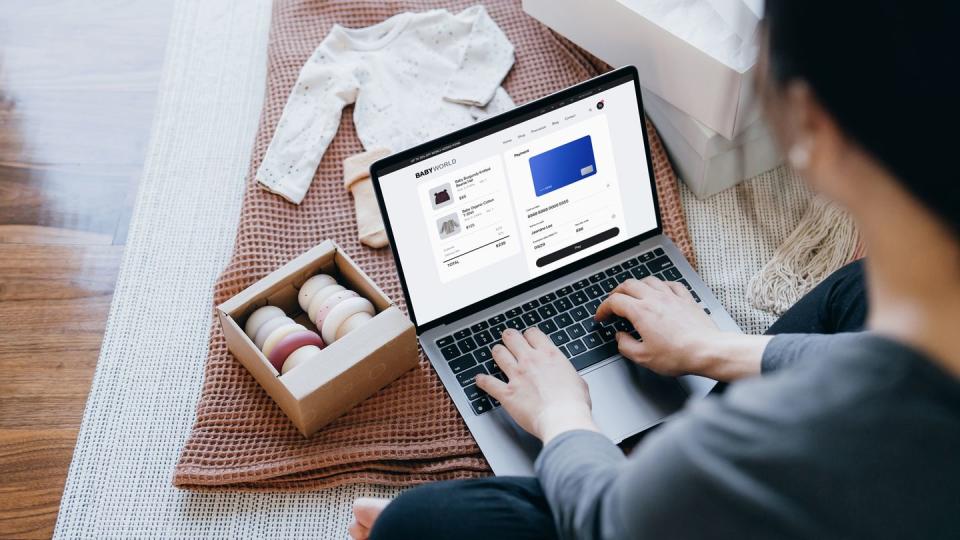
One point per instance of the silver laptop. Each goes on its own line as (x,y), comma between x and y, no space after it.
(531,218)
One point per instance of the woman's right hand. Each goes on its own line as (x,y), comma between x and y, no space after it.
(678,337)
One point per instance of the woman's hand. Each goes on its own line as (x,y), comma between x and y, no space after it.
(677,336)
(544,393)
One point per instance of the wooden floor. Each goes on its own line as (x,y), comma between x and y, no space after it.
(78,83)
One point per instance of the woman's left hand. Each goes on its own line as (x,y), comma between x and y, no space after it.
(545,395)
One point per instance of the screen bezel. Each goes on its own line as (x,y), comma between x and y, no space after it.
(442,144)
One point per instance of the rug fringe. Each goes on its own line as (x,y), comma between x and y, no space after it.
(825,239)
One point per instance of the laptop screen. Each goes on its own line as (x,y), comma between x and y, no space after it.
(521,198)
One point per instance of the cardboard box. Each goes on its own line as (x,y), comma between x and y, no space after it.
(706,161)
(713,89)
(348,370)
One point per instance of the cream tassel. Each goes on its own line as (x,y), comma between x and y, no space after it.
(824,240)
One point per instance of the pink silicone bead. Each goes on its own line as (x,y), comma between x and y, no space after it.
(291,343)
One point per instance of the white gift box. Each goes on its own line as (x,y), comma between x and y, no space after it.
(683,49)
(705,160)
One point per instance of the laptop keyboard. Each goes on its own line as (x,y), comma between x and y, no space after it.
(566,315)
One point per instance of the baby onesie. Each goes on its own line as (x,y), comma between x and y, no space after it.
(413,77)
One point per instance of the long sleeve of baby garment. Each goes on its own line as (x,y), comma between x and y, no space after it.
(486,59)
(309,121)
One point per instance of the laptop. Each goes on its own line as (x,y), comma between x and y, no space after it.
(531,218)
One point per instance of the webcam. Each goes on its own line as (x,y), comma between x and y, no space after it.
(600,105)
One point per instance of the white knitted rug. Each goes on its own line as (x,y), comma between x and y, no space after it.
(141,405)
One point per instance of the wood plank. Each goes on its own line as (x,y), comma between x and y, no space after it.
(32,479)
(78,85)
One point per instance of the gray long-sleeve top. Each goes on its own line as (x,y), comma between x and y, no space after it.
(851,435)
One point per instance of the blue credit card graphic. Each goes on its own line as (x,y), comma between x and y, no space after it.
(563,165)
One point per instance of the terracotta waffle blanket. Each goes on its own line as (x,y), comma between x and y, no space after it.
(410,431)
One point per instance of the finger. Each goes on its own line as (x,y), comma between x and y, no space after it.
(367,509)
(679,290)
(632,348)
(656,284)
(517,344)
(504,358)
(633,287)
(358,532)
(619,305)
(539,340)
(492,385)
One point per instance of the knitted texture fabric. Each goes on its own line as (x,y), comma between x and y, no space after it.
(409,432)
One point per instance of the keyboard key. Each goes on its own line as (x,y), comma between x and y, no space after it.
(640,272)
(481,405)
(444,341)
(562,305)
(672,274)
(473,392)
(548,327)
(630,263)
(494,403)
(515,312)
(463,363)
(492,367)
(497,330)
(594,291)
(530,305)
(547,298)
(613,270)
(497,319)
(482,354)
(608,333)
(482,325)
(592,306)
(581,284)
(466,345)
(593,356)
(559,337)
(564,350)
(685,284)
(623,276)
(547,311)
(591,325)
(597,278)
(658,252)
(579,313)
(575,331)
(622,325)
(563,320)
(563,291)
(466,377)
(516,324)
(501,375)
(706,310)
(592,340)
(450,352)
(659,264)
(609,284)
(695,295)
(461,334)
(578,298)
(483,337)
(648,256)
(576,347)
(531,318)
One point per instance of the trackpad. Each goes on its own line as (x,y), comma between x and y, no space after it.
(628,399)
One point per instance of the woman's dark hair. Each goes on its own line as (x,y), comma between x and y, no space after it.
(887,72)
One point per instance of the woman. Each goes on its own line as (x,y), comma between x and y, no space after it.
(825,434)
